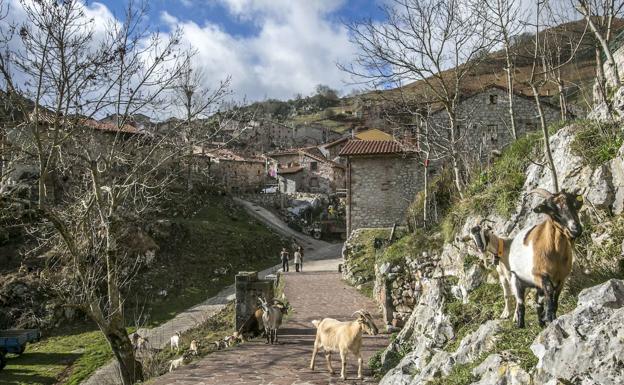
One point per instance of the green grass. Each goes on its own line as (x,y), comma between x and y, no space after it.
(362,256)
(597,143)
(497,189)
(66,358)
(219,235)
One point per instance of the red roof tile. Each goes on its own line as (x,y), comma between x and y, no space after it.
(371,147)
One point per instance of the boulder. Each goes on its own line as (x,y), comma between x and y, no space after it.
(497,369)
(585,346)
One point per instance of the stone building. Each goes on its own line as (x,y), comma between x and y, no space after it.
(382,180)
(306,170)
(233,172)
(483,119)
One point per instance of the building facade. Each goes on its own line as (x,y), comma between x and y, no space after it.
(382,180)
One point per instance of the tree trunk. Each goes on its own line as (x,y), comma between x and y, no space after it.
(130,370)
(426,194)
(454,154)
(563,103)
(547,152)
(604,44)
(510,93)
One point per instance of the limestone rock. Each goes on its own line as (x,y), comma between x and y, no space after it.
(497,370)
(601,193)
(585,346)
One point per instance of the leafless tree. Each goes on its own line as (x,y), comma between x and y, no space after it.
(435,42)
(600,16)
(507,20)
(198,102)
(112,176)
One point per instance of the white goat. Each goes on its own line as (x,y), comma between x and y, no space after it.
(139,342)
(178,362)
(175,341)
(541,255)
(193,348)
(272,318)
(343,337)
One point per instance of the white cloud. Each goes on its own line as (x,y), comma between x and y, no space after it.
(296,47)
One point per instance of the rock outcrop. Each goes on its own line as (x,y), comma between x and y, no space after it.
(585,346)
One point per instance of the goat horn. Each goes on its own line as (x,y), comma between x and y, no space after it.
(542,192)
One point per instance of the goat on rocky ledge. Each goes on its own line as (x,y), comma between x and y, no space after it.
(541,255)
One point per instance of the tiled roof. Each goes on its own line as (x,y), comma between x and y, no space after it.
(335,142)
(371,147)
(226,154)
(289,170)
(374,134)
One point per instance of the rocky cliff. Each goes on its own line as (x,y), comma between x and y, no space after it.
(447,299)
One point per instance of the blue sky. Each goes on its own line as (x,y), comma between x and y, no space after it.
(270,48)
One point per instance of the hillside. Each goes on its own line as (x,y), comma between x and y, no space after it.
(198,254)
(445,293)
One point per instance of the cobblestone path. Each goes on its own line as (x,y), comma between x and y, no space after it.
(313,295)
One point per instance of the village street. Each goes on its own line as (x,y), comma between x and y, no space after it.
(316,293)
(320,256)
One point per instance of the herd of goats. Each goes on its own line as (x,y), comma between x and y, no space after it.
(537,257)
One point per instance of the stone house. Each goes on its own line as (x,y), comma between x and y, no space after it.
(306,170)
(382,180)
(233,172)
(483,119)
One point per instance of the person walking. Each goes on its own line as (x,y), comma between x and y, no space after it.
(300,249)
(297,260)
(284,257)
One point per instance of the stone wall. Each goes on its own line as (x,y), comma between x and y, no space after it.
(238,176)
(483,120)
(380,190)
(248,289)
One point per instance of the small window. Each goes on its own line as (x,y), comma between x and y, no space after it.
(313,166)
(493,99)
(493,132)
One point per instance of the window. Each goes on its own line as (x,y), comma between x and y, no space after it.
(313,166)
(493,132)
(493,99)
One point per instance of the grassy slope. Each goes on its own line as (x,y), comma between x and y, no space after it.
(218,235)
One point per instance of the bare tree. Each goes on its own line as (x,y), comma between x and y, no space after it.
(600,16)
(507,20)
(435,42)
(197,101)
(113,175)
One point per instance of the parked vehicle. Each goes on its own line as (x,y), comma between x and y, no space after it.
(14,341)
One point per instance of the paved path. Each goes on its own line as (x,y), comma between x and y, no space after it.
(313,294)
(195,316)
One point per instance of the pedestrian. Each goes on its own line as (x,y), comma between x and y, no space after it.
(300,249)
(297,260)
(284,257)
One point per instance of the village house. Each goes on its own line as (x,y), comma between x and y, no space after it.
(332,150)
(483,119)
(232,172)
(306,170)
(382,180)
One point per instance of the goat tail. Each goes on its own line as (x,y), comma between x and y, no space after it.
(316,323)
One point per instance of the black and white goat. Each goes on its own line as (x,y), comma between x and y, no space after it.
(541,255)
(272,316)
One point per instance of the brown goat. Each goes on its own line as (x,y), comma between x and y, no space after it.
(541,255)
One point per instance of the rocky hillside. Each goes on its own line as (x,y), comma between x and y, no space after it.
(445,296)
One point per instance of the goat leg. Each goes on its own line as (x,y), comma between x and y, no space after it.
(360,366)
(314,352)
(540,307)
(328,359)
(343,363)
(549,291)
(519,291)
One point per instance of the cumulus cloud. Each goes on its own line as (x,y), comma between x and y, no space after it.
(295,46)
